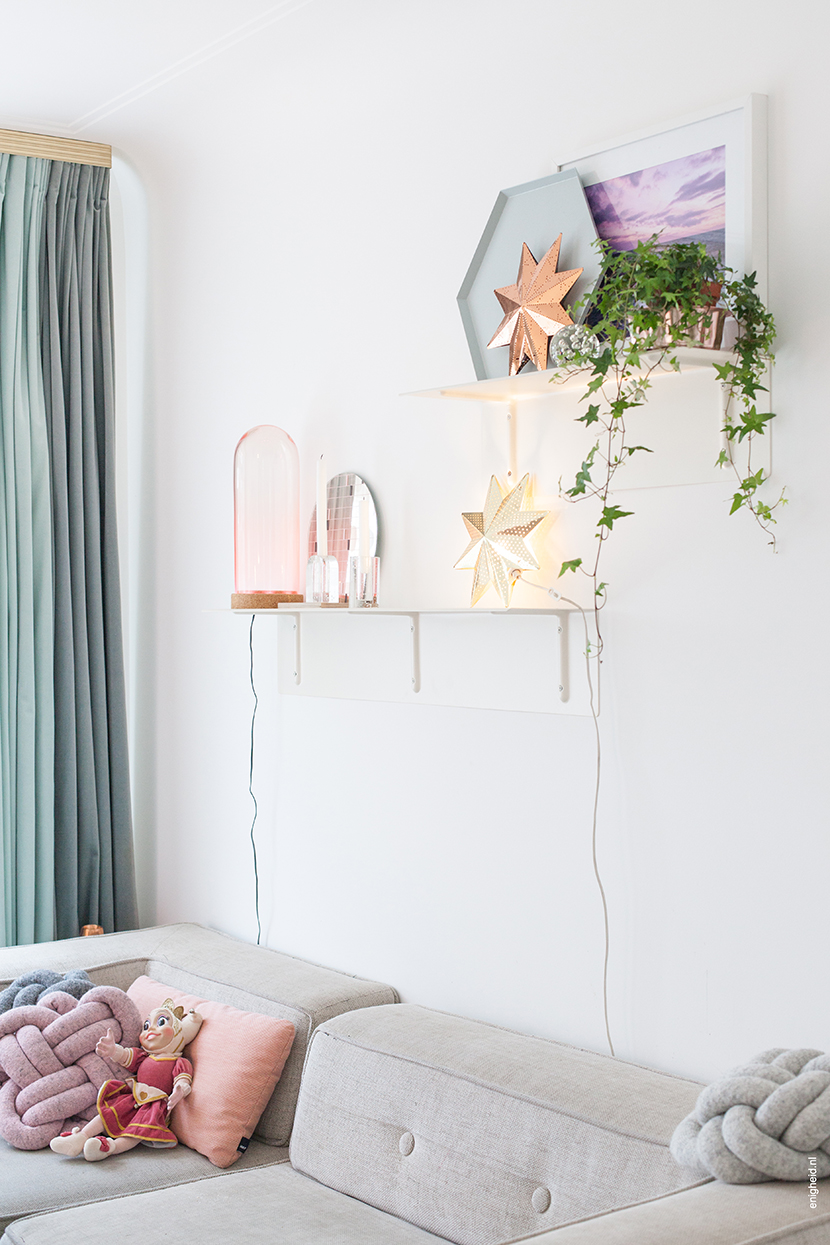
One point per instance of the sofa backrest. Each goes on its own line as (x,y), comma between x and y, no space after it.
(215,966)
(476,1133)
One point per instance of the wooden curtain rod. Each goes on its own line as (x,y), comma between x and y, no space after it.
(73,150)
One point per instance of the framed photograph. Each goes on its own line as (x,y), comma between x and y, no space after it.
(703,180)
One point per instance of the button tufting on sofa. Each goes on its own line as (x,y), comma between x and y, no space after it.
(406,1144)
(541,1200)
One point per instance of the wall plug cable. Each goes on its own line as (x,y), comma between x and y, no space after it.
(251,780)
(557,596)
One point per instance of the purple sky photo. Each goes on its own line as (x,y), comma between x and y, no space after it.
(682,200)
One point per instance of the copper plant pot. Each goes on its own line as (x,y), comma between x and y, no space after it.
(707,333)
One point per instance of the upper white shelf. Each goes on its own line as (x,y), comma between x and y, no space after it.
(534,385)
(403,611)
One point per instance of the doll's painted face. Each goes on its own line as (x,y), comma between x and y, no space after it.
(159,1031)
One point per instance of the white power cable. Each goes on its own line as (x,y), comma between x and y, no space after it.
(557,596)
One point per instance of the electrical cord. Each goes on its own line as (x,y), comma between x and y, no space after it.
(558,597)
(251,780)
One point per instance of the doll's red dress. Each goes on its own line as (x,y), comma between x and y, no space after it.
(140,1110)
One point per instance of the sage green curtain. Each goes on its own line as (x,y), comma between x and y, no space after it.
(27,896)
(95,879)
(65,822)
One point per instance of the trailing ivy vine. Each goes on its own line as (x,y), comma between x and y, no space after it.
(651,300)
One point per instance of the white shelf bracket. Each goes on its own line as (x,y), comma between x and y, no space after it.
(298,670)
(562,629)
(512,453)
(415,633)
(725,443)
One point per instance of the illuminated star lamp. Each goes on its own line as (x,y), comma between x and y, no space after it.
(497,540)
(533,311)
(266,514)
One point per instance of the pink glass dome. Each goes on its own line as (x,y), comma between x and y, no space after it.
(266,512)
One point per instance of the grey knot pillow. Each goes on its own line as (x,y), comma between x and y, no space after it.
(768,1119)
(30,988)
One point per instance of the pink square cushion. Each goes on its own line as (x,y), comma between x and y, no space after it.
(237,1058)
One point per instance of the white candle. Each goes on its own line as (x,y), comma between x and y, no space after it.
(322,510)
(364,526)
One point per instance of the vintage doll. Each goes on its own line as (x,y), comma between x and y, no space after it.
(138,1109)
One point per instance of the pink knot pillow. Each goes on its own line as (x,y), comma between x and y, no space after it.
(237,1058)
(48,1066)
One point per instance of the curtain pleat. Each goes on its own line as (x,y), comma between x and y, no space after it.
(93,830)
(26,590)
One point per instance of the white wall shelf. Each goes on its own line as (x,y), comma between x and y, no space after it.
(686,438)
(527,386)
(456,657)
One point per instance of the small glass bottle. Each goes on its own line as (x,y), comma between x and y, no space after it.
(322,574)
(364,582)
(322,580)
(266,496)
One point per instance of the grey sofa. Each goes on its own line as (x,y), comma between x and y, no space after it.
(413,1126)
(211,965)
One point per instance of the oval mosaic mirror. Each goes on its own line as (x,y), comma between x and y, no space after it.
(343,502)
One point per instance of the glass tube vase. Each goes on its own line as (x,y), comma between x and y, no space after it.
(266,515)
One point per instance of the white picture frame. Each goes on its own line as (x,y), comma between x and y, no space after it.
(740,126)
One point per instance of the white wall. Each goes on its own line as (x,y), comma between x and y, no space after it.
(315,195)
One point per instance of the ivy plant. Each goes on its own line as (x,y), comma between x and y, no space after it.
(651,300)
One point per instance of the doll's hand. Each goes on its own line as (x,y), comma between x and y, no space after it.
(180,1090)
(108,1048)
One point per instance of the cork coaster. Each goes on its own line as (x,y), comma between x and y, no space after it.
(263,600)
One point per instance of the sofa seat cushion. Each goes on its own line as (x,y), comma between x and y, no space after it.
(32,1181)
(713,1213)
(258,1207)
(479,1134)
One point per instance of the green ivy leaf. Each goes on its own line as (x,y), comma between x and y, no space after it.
(583,476)
(752,421)
(573,565)
(590,417)
(754,481)
(610,514)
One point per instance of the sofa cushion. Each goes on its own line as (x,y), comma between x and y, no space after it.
(709,1214)
(237,1059)
(479,1134)
(32,1181)
(257,1207)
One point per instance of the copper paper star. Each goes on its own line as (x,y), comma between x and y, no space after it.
(498,536)
(533,310)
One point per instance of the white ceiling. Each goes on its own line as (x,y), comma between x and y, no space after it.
(66,64)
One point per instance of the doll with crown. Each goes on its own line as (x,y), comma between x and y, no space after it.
(138,1108)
